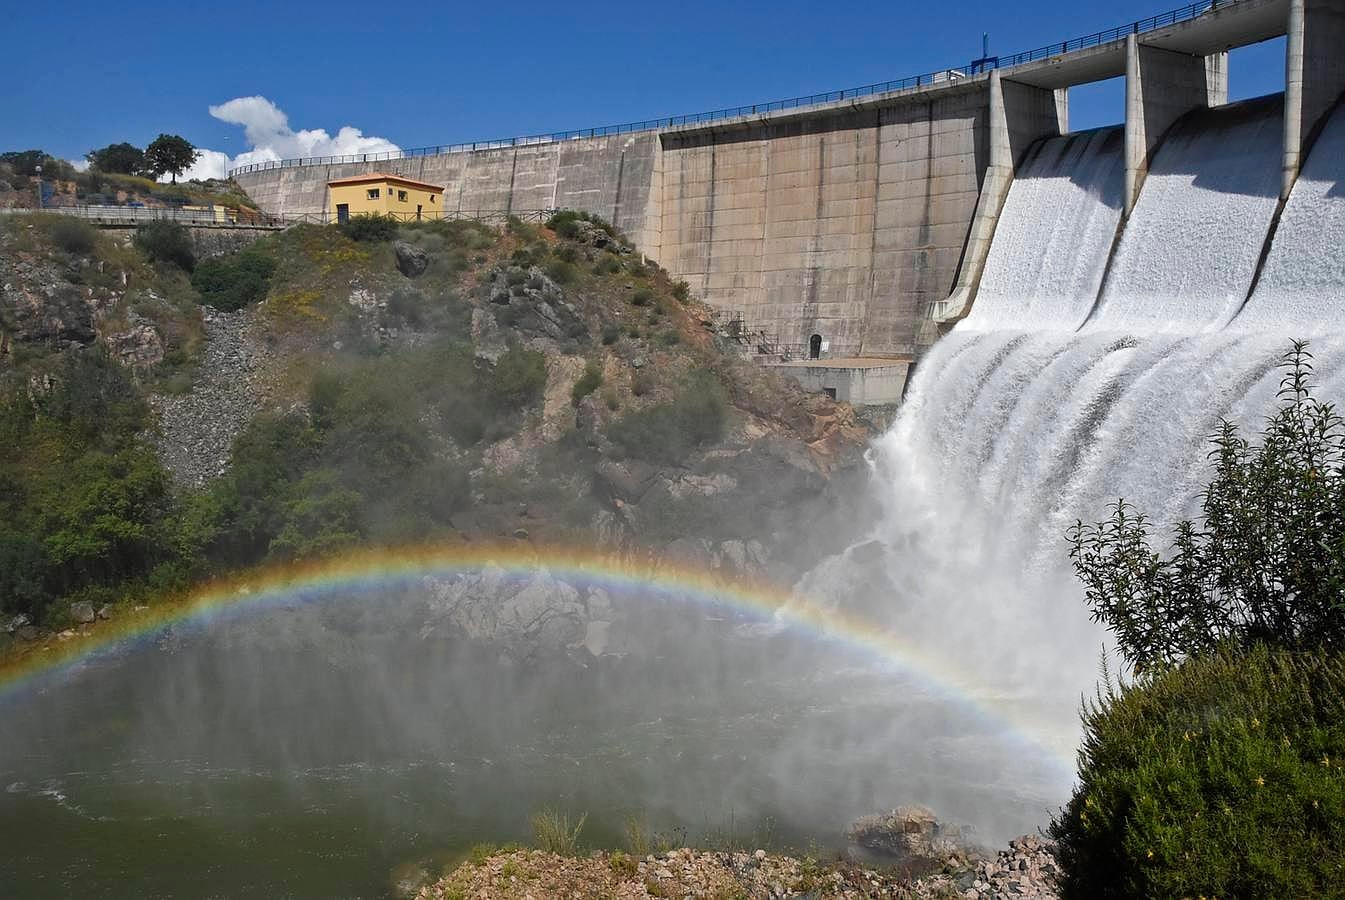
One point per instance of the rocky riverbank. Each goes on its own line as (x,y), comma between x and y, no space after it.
(1026,869)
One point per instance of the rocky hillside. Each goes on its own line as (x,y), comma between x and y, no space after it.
(332,386)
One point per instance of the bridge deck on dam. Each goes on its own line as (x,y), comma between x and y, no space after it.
(853,217)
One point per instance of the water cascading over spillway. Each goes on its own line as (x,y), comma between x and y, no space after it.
(1061,393)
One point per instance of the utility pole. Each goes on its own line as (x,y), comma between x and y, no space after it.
(39,186)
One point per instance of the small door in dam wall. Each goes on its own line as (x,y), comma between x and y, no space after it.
(815,346)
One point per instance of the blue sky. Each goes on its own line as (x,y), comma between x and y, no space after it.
(419,74)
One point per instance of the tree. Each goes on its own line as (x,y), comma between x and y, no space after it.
(1267,564)
(24,162)
(122,159)
(169,153)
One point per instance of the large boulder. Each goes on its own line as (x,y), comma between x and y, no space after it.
(411,260)
(83,612)
(909,834)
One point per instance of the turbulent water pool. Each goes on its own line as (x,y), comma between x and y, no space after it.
(324,755)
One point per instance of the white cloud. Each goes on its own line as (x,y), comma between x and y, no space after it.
(209,164)
(269,136)
(80,165)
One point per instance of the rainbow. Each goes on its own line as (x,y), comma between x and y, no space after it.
(384,568)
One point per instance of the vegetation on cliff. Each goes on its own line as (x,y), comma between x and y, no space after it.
(435,381)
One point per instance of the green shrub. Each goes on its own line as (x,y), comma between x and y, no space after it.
(670,338)
(566,223)
(235,281)
(1221,777)
(369,229)
(607,264)
(553,833)
(517,379)
(642,297)
(641,383)
(1266,565)
(73,235)
(668,432)
(561,271)
(681,290)
(610,334)
(166,242)
(589,382)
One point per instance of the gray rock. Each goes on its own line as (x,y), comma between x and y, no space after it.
(105,612)
(27,633)
(16,623)
(83,612)
(411,260)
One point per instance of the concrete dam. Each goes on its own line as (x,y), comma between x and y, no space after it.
(868,217)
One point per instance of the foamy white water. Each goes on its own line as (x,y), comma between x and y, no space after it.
(1050,250)
(1302,287)
(1186,260)
(1032,414)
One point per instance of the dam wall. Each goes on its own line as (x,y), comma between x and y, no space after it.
(611,176)
(861,221)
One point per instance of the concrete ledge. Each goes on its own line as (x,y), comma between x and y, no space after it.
(859,381)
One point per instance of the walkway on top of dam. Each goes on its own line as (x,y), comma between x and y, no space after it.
(1197,29)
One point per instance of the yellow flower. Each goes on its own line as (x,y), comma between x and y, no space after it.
(1256,723)
(1260,782)
(1285,740)
(1151,854)
(1326,760)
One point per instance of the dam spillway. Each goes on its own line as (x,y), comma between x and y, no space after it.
(1055,234)
(1190,248)
(1018,424)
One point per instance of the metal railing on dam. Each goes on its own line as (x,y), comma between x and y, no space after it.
(928,79)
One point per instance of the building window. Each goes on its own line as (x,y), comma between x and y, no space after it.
(401,195)
(431,198)
(372,193)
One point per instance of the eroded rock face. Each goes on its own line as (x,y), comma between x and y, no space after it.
(38,310)
(534,305)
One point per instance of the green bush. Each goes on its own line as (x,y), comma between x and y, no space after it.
(517,379)
(1267,565)
(566,223)
(561,272)
(642,297)
(369,229)
(681,290)
(1221,777)
(73,235)
(235,281)
(166,242)
(669,432)
(589,382)
(670,338)
(607,264)
(610,334)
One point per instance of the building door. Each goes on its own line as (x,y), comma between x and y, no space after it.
(343,212)
(417,212)
(815,346)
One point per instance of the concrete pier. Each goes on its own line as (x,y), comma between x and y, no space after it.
(1314,76)
(1161,87)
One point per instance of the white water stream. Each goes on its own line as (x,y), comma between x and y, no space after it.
(1060,394)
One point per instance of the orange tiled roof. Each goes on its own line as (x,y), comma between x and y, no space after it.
(383,176)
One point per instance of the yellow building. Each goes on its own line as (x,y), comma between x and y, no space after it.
(378,194)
